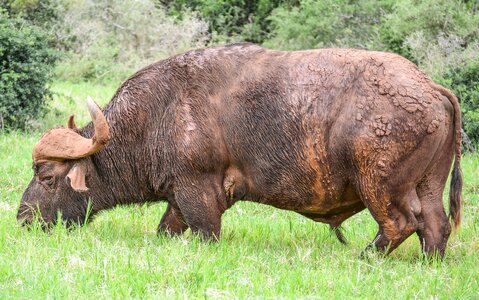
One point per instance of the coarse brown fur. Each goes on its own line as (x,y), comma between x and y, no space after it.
(325,133)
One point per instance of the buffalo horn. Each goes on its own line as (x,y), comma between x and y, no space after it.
(65,143)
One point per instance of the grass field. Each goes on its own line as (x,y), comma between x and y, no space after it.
(263,253)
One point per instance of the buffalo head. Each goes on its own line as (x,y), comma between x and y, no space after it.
(63,168)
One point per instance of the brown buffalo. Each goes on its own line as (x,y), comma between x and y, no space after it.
(324,133)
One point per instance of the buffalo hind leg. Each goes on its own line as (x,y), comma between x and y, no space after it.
(172,223)
(434,227)
(202,201)
(395,218)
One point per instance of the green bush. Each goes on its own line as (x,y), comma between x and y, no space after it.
(36,12)
(327,23)
(416,28)
(26,64)
(126,35)
(231,20)
(464,80)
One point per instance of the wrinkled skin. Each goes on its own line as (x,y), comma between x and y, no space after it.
(325,133)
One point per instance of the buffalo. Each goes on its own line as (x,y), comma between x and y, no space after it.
(324,133)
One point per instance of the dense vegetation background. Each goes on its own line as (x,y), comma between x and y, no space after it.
(106,40)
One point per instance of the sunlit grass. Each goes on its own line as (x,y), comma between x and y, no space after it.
(263,252)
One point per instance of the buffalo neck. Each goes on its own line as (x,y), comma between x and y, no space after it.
(125,166)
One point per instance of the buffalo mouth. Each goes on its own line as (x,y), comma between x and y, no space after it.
(30,218)
(27,215)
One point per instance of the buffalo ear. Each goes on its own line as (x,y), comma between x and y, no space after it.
(76,177)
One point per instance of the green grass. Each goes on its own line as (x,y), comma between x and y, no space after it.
(263,253)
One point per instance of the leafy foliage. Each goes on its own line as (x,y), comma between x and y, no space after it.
(108,41)
(26,63)
(327,23)
(465,82)
(42,13)
(245,20)
(415,28)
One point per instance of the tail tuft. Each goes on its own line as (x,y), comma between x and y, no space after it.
(455,199)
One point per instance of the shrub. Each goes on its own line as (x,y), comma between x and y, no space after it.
(464,80)
(26,64)
(326,23)
(41,13)
(106,41)
(231,20)
(415,28)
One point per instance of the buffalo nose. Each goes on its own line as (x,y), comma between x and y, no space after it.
(24,215)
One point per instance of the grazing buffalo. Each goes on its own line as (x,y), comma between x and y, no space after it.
(325,133)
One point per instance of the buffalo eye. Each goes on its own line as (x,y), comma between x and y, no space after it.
(48,180)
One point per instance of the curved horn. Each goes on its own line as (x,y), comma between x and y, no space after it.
(102,130)
(65,143)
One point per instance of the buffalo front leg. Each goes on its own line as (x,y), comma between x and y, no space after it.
(172,223)
(202,201)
